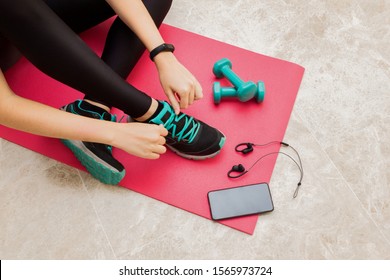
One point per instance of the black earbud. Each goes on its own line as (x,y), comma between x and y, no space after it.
(247,148)
(240,169)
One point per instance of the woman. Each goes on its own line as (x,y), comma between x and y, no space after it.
(45,32)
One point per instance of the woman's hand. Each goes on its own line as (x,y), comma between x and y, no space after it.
(140,139)
(180,86)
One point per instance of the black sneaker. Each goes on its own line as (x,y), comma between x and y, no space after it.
(97,158)
(187,136)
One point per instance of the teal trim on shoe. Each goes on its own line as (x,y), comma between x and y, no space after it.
(95,115)
(222,142)
(94,166)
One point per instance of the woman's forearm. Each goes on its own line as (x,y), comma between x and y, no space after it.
(40,119)
(33,117)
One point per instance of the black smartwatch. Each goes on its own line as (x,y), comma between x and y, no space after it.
(162,48)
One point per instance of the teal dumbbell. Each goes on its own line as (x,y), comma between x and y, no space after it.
(245,90)
(224,92)
(260,93)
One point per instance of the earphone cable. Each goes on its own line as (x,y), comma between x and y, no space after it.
(249,146)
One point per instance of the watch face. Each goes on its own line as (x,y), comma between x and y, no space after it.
(169,47)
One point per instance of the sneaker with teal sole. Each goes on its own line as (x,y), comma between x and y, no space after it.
(97,158)
(188,137)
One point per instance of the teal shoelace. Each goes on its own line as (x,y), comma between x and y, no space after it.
(188,131)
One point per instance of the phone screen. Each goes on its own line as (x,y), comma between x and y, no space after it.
(240,201)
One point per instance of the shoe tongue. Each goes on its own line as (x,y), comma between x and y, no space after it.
(93,111)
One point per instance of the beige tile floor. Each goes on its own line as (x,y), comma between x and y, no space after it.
(340,125)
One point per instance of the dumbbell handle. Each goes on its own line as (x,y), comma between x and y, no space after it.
(231,76)
(229,92)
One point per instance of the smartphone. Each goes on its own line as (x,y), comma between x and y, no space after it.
(240,201)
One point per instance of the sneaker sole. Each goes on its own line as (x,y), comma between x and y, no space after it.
(221,143)
(95,166)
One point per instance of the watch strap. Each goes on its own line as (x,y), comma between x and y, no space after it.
(161,48)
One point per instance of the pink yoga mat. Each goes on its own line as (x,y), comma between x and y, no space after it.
(171,179)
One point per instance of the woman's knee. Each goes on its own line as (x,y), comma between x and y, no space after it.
(158,9)
(167,4)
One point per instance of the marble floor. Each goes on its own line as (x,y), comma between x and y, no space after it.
(340,125)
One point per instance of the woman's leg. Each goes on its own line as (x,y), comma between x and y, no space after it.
(122,49)
(81,15)
(51,45)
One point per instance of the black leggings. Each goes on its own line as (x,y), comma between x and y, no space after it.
(45,32)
